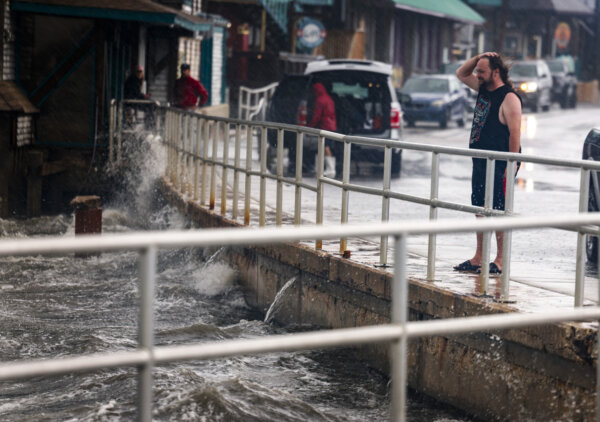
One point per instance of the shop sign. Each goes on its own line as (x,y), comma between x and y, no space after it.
(310,32)
(562,35)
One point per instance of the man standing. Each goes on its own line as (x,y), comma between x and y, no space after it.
(133,85)
(188,90)
(496,127)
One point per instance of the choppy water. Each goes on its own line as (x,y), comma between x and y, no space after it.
(64,305)
(57,306)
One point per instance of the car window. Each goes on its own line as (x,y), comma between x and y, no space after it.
(556,66)
(425,85)
(524,70)
(362,100)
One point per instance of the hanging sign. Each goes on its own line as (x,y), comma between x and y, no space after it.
(310,32)
(562,35)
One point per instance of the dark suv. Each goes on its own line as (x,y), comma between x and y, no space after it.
(591,151)
(365,105)
(564,83)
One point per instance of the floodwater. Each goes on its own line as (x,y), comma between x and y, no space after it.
(67,305)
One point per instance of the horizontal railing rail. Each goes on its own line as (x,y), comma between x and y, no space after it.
(199,143)
(397,333)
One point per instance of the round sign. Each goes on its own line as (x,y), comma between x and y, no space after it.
(310,32)
(562,35)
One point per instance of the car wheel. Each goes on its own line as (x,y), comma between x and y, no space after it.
(445,119)
(573,99)
(591,248)
(461,121)
(396,163)
(535,107)
(410,123)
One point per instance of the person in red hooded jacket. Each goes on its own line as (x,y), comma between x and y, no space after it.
(188,90)
(323,116)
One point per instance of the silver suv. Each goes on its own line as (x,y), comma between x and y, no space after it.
(365,105)
(533,81)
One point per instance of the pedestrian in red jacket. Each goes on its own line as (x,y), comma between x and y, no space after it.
(323,117)
(188,90)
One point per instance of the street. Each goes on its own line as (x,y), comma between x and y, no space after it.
(540,257)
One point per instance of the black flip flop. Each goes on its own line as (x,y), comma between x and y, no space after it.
(467,267)
(493,269)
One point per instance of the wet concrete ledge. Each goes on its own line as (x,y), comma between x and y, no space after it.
(541,373)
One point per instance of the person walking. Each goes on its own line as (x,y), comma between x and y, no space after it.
(323,117)
(189,93)
(496,127)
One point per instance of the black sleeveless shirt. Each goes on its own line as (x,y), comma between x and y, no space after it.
(488,132)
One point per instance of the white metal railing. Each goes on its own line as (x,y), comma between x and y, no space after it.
(397,332)
(252,102)
(197,145)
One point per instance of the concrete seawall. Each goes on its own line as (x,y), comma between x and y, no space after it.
(541,373)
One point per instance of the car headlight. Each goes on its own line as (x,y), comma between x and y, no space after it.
(437,103)
(529,86)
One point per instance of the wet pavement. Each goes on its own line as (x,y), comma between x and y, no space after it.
(543,261)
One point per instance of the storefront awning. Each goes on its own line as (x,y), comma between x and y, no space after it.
(447,9)
(485,2)
(127,10)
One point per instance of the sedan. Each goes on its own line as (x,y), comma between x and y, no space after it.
(434,98)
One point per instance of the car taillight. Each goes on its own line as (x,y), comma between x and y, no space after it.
(302,115)
(395,118)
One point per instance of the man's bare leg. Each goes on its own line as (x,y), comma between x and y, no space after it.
(499,244)
(476,260)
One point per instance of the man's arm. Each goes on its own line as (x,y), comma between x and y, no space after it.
(465,73)
(511,111)
(201,92)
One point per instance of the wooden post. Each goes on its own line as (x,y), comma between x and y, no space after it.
(88,214)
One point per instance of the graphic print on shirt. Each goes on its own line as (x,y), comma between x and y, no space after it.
(482,109)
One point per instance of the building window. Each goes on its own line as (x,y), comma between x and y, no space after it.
(24,131)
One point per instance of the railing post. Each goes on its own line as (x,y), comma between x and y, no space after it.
(236,172)
(509,199)
(345,192)
(319,216)
(186,155)
(205,143)
(196,156)
(119,130)
(248,184)
(399,348)
(176,148)
(584,187)
(224,169)
(279,196)
(147,271)
(486,236)
(385,203)
(263,179)
(433,214)
(111,130)
(213,168)
(298,189)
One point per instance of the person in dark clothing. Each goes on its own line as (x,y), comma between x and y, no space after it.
(189,93)
(133,91)
(323,117)
(496,127)
(133,85)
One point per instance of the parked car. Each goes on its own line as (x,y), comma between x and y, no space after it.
(365,105)
(564,82)
(434,98)
(591,151)
(533,82)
